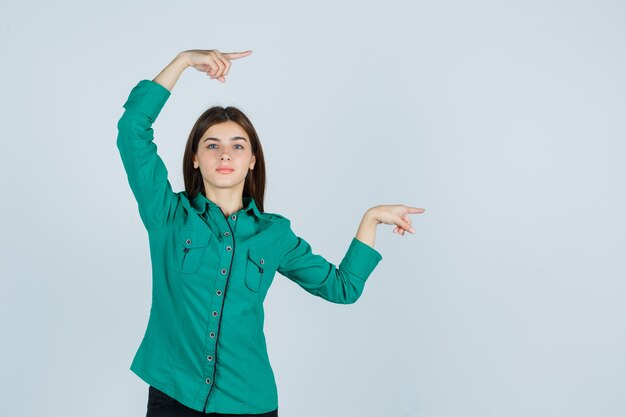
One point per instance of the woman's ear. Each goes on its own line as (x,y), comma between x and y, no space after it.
(252,162)
(195,162)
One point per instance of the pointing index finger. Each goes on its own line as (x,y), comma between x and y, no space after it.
(416,210)
(235,55)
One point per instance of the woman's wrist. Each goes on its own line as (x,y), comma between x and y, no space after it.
(171,73)
(366,232)
(370,216)
(182,57)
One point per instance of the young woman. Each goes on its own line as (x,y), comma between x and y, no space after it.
(214,253)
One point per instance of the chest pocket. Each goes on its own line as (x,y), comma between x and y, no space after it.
(261,264)
(192,246)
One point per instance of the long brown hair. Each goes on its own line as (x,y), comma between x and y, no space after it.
(254,185)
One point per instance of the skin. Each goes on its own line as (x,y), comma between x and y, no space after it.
(224,144)
(227,190)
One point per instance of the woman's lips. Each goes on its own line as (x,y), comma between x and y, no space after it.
(225,170)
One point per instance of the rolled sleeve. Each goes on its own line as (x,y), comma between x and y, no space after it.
(147,97)
(360,259)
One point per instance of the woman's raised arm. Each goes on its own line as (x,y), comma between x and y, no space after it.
(147,175)
(342,283)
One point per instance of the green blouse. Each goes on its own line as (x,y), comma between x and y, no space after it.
(204,343)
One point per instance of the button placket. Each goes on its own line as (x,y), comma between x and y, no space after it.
(224,272)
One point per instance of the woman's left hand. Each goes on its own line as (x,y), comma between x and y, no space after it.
(397,214)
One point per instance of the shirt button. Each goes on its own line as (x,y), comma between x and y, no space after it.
(262,261)
(228,248)
(210,357)
(215,314)
(188,241)
(212,334)
(223,271)
(234,217)
(218,292)
(208,380)
(226,233)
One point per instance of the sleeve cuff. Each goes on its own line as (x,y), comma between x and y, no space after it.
(360,259)
(147,97)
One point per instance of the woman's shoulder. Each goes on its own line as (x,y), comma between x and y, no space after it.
(275,217)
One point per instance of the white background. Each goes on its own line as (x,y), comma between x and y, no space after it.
(504,119)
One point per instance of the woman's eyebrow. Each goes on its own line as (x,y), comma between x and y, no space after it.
(233,138)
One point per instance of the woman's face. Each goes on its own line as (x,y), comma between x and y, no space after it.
(224,145)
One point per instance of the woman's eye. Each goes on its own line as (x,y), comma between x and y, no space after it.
(213,144)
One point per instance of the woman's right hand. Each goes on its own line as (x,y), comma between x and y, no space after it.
(215,63)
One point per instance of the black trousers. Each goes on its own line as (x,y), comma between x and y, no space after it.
(162,405)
